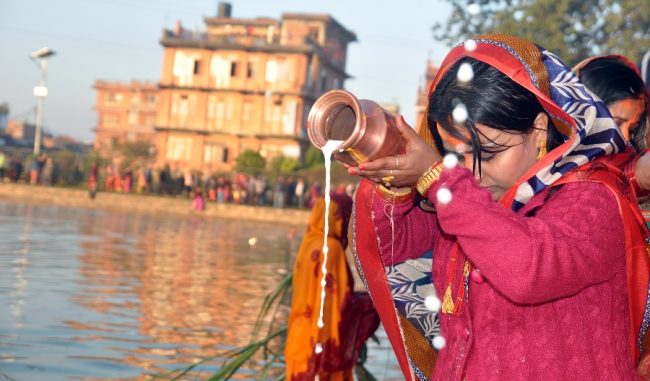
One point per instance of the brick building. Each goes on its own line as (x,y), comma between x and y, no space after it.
(244,84)
(126,112)
(423,93)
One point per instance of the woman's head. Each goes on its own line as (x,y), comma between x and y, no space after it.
(616,82)
(504,130)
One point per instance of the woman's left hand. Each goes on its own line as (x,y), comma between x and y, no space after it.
(402,170)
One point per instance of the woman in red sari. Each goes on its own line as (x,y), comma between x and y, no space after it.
(538,248)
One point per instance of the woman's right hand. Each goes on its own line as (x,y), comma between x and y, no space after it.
(405,169)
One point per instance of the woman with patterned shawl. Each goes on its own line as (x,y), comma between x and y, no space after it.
(349,318)
(618,83)
(537,248)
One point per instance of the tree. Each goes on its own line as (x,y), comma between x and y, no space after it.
(573,29)
(314,157)
(133,151)
(250,162)
(66,170)
(281,165)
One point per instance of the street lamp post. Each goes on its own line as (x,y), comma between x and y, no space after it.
(40,56)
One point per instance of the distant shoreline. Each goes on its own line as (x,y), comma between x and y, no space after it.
(147,204)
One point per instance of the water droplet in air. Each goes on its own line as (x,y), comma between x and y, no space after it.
(439,342)
(450,161)
(465,73)
(460,113)
(470,45)
(444,195)
(432,303)
(252,241)
(319,348)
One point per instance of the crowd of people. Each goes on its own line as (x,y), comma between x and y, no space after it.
(506,242)
(37,169)
(235,188)
(284,191)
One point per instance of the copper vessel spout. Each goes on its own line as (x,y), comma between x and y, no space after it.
(368,131)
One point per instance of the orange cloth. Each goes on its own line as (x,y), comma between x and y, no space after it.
(333,363)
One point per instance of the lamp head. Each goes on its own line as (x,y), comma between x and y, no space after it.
(43,52)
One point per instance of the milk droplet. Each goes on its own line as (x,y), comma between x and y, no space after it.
(444,195)
(465,73)
(432,303)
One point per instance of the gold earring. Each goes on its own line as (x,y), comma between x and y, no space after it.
(542,151)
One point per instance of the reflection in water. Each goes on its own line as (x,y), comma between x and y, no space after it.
(97,295)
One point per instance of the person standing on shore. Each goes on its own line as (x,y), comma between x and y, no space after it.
(92,181)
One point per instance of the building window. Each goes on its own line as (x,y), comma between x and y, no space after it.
(185,66)
(233,69)
(220,70)
(113,97)
(219,110)
(151,99)
(215,153)
(250,70)
(271,71)
(133,117)
(179,105)
(197,67)
(247,112)
(314,32)
(110,119)
(179,148)
(273,116)
(220,113)
(289,118)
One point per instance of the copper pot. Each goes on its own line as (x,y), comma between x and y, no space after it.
(368,131)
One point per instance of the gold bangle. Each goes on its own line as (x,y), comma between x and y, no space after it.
(429,177)
(390,195)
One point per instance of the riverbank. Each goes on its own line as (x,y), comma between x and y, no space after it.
(147,204)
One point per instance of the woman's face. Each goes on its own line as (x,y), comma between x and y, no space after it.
(627,114)
(517,153)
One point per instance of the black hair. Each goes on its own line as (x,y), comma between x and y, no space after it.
(490,98)
(612,81)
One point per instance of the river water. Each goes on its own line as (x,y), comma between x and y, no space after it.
(96,295)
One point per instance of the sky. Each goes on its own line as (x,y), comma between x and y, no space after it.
(118,40)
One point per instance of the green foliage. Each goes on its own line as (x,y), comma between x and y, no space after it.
(573,29)
(281,165)
(67,167)
(133,151)
(92,158)
(272,355)
(314,157)
(250,162)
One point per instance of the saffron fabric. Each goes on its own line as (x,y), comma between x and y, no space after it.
(349,318)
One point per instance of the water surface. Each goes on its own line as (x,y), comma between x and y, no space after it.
(93,295)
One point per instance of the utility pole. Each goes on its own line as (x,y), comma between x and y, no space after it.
(40,58)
